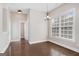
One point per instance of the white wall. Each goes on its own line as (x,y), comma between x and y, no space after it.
(66,43)
(37,27)
(4,36)
(27,26)
(16,20)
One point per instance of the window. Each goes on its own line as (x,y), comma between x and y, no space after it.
(55,27)
(62,26)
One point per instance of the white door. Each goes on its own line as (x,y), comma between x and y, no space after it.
(22,30)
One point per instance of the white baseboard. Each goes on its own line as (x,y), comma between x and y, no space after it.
(5,48)
(14,40)
(37,41)
(66,46)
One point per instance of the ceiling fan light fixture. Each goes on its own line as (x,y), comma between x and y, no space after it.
(19,11)
(47,16)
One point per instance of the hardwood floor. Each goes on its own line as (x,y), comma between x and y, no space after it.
(23,48)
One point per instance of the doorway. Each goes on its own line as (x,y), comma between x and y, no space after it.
(22,31)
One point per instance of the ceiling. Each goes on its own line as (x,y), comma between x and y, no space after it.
(35,6)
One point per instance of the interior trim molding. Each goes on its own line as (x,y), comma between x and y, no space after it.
(15,40)
(65,46)
(37,41)
(5,48)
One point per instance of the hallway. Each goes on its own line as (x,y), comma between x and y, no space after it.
(22,48)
